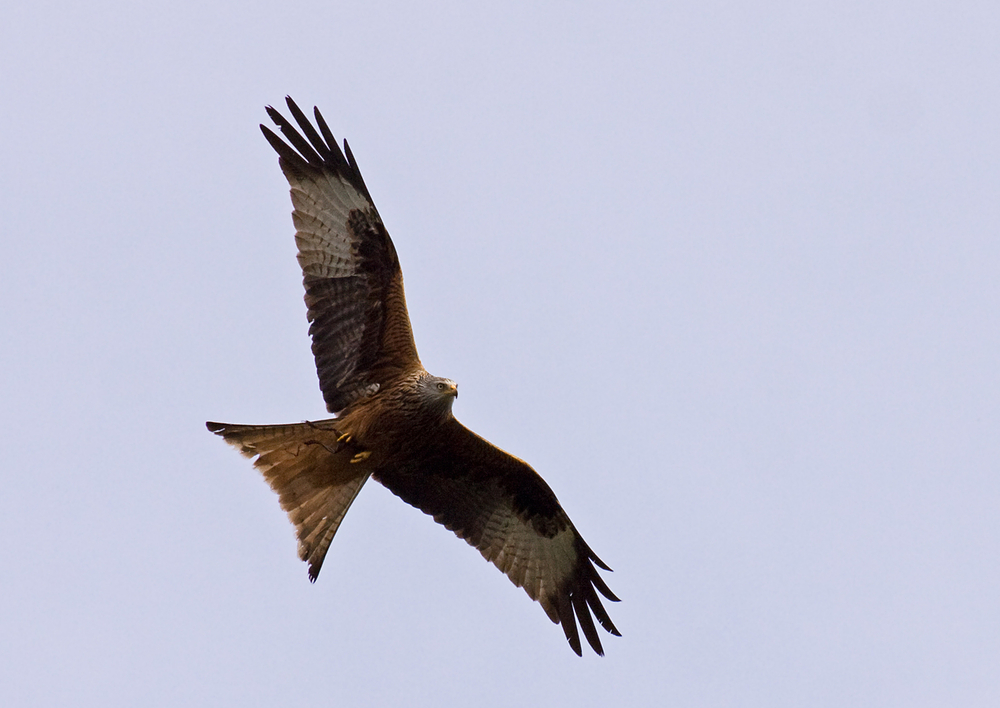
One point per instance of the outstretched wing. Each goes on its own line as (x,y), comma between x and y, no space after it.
(502,507)
(310,470)
(360,329)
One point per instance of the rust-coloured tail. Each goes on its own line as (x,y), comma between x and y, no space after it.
(309,468)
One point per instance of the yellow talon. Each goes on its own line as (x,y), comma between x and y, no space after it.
(360,457)
(345,438)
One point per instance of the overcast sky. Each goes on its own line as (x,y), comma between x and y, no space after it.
(726,274)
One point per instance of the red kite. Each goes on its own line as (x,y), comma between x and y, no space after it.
(392,419)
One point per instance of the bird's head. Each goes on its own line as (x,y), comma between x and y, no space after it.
(438,393)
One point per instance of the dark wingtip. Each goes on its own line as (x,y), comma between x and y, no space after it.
(324,128)
(350,155)
(317,150)
(600,564)
(564,609)
(603,588)
(214,427)
(587,623)
(273,113)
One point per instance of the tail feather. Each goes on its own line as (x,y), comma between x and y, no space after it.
(309,470)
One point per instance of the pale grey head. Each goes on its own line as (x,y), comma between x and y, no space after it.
(437,393)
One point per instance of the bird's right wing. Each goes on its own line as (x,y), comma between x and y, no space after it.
(354,286)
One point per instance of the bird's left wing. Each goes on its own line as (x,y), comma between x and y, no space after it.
(502,507)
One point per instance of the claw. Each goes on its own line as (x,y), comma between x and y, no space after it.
(345,438)
(361,457)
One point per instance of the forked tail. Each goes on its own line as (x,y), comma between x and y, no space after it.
(309,468)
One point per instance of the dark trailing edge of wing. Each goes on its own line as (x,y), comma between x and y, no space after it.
(319,152)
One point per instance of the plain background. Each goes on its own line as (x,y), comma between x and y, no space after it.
(725,273)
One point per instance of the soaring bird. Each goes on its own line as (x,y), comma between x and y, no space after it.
(392,419)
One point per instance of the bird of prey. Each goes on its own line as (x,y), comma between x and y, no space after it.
(392,419)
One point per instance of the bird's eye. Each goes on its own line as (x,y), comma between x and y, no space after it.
(441,386)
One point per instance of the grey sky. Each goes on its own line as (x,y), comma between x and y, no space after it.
(726,274)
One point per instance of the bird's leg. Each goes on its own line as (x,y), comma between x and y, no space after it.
(343,440)
(322,445)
